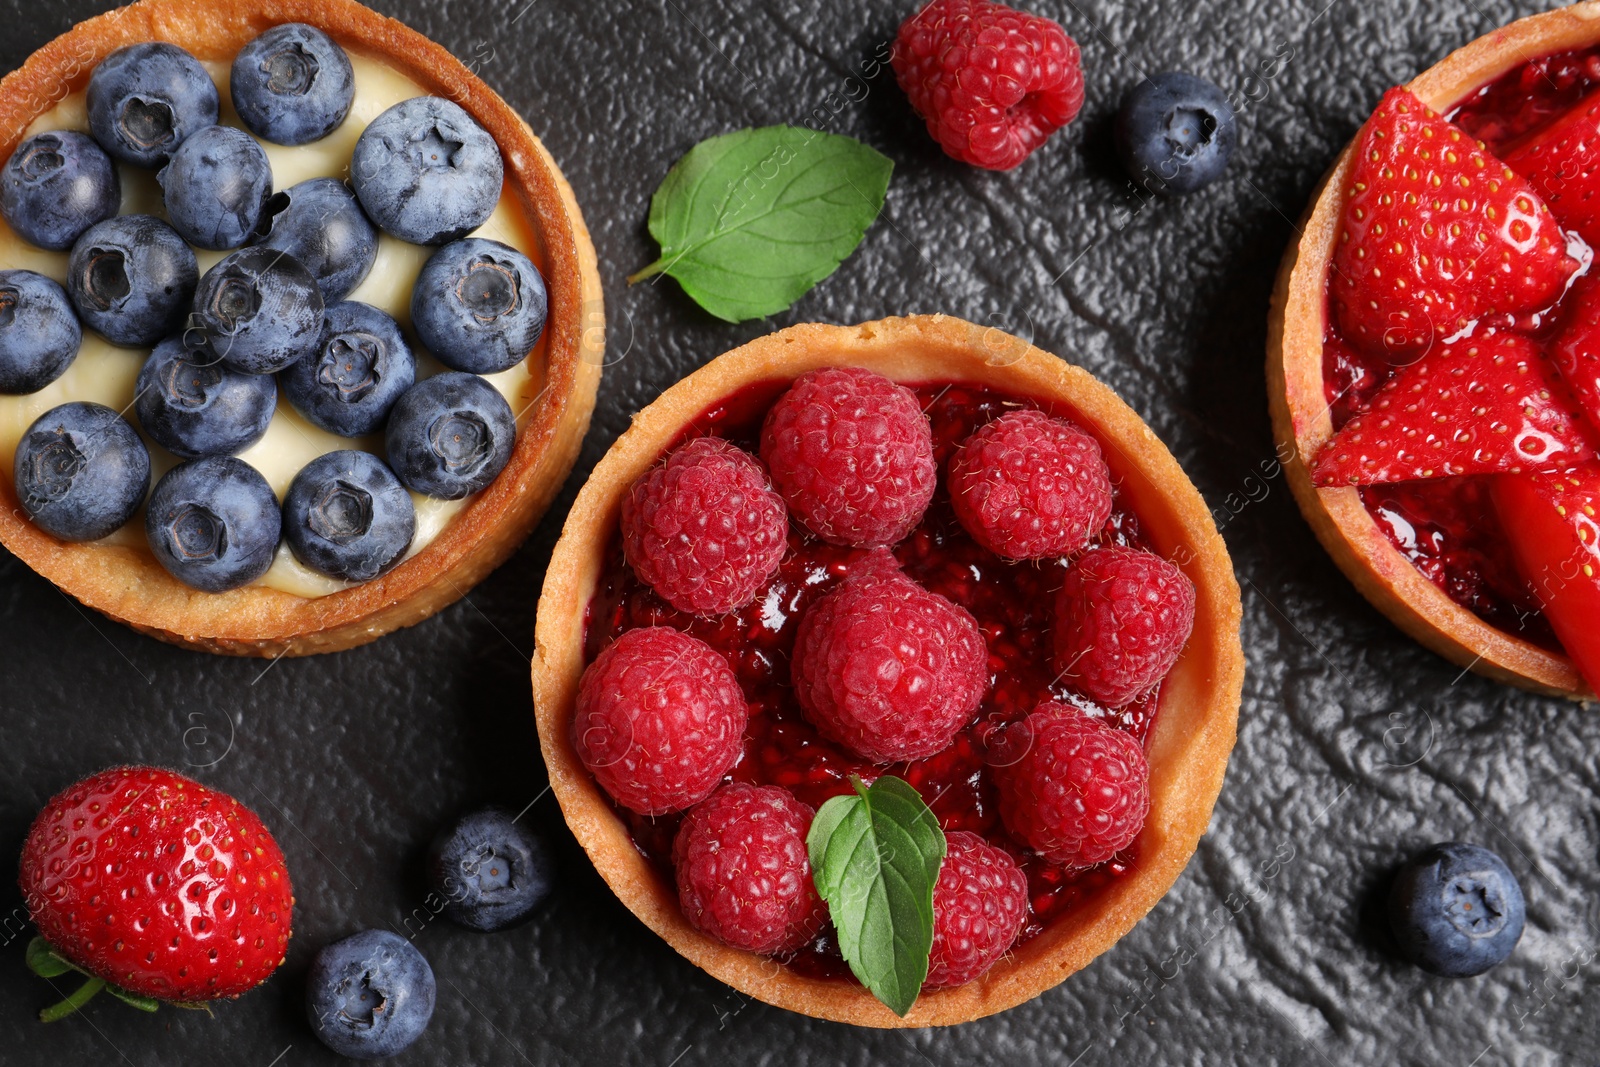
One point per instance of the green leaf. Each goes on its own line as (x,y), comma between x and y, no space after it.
(749,221)
(43,961)
(134,999)
(875,858)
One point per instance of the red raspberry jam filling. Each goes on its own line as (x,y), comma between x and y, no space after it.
(1010,601)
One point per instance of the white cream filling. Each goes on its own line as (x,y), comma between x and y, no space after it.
(105,373)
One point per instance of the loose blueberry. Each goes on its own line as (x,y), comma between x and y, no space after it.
(449,435)
(479,305)
(1175,133)
(292,84)
(258,309)
(146,99)
(1456,910)
(213,523)
(361,366)
(370,995)
(426,172)
(215,186)
(81,471)
(490,871)
(56,185)
(192,405)
(347,516)
(131,278)
(320,223)
(39,334)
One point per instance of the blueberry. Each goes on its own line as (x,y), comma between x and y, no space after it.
(131,278)
(449,435)
(1456,910)
(370,995)
(213,523)
(347,516)
(320,223)
(479,305)
(39,334)
(146,99)
(81,471)
(193,406)
(490,871)
(292,84)
(214,187)
(426,172)
(361,366)
(1175,132)
(56,185)
(258,309)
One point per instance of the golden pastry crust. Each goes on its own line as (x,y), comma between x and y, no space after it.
(1301,419)
(127,583)
(1188,746)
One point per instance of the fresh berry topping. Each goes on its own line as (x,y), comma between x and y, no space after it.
(81,471)
(214,187)
(39,334)
(479,305)
(852,454)
(370,996)
(1562,163)
(213,523)
(704,529)
(357,373)
(192,405)
(980,904)
(147,99)
(1576,351)
(131,278)
(1028,486)
(490,870)
(258,310)
(450,435)
(1491,405)
(1456,910)
(886,668)
(1122,618)
(347,516)
(159,885)
(1079,792)
(744,875)
(1175,133)
(55,186)
(292,85)
(992,83)
(1436,235)
(426,172)
(320,223)
(660,720)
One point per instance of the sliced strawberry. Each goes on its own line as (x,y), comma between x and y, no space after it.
(1562,163)
(1493,405)
(1437,233)
(1576,351)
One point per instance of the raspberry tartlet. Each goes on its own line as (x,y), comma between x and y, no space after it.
(387,528)
(1430,356)
(915,653)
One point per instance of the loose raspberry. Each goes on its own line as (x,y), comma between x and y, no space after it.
(660,719)
(979,905)
(705,529)
(744,874)
(992,83)
(852,454)
(1080,792)
(1028,486)
(886,668)
(1121,620)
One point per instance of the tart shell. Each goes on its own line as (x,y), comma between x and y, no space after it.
(127,583)
(1188,745)
(1302,422)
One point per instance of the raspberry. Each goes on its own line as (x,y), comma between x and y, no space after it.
(852,454)
(1080,792)
(979,905)
(660,719)
(991,82)
(705,529)
(744,875)
(886,668)
(1122,618)
(1028,486)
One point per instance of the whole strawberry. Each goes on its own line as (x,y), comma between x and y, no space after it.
(157,885)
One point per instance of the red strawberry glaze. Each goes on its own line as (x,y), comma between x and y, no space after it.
(1526,98)
(1011,602)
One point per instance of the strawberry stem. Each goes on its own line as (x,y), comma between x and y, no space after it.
(77,1000)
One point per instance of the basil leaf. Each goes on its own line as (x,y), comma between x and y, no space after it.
(875,858)
(749,221)
(43,961)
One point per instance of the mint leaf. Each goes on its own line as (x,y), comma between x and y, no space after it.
(749,221)
(875,857)
(43,961)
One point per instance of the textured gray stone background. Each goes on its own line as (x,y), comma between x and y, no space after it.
(1355,746)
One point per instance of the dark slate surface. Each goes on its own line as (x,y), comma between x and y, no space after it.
(1356,746)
